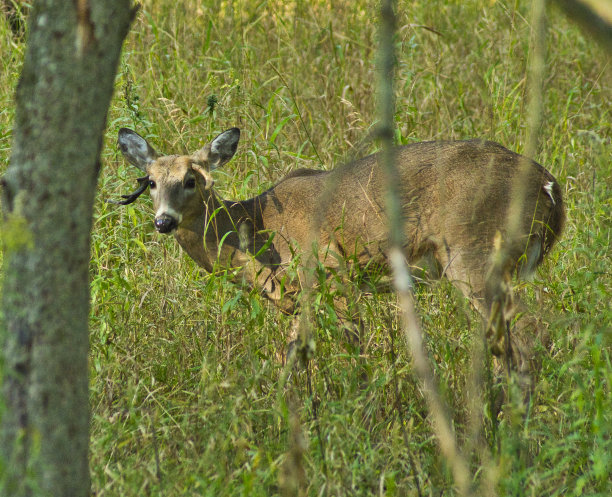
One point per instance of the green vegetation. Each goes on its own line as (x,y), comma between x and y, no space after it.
(186,389)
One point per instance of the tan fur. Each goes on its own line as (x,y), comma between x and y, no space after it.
(454,196)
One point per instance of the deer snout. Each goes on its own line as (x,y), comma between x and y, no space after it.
(165,223)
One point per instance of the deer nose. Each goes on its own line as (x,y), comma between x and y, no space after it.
(165,223)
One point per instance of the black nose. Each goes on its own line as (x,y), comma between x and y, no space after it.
(165,224)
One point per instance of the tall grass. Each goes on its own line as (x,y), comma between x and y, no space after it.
(185,372)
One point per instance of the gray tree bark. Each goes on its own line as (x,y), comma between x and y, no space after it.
(47,196)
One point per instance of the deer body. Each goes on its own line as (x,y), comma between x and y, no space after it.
(454,195)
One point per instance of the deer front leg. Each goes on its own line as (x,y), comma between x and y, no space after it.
(350,321)
(302,341)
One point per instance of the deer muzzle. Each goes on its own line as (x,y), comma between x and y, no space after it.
(165,223)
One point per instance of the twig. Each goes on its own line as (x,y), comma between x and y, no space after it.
(401,413)
(156,451)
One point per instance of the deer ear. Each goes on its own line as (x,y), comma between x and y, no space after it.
(219,151)
(135,149)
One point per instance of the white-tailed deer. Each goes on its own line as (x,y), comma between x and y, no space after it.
(455,197)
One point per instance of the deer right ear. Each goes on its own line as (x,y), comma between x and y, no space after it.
(135,149)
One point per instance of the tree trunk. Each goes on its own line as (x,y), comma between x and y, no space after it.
(48,191)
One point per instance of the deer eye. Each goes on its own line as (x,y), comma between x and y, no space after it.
(190,183)
(152,184)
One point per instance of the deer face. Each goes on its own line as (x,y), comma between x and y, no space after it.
(173,186)
(179,183)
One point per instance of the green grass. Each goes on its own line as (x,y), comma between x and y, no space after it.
(186,383)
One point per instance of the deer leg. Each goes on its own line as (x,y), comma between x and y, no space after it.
(350,325)
(489,290)
(519,330)
(293,340)
(351,322)
(467,276)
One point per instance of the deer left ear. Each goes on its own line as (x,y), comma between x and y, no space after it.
(219,151)
(224,147)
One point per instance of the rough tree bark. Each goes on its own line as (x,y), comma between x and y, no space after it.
(47,196)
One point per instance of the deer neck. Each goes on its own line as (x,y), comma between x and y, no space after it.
(212,233)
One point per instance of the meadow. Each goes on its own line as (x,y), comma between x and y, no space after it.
(188,394)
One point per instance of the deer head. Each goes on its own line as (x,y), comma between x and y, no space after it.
(178,183)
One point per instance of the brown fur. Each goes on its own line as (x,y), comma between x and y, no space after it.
(454,196)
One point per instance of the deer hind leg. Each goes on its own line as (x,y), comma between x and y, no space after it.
(511,332)
(490,295)
(294,342)
(521,331)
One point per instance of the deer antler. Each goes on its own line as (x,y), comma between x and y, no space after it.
(143,182)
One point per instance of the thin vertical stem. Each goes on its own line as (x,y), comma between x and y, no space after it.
(401,274)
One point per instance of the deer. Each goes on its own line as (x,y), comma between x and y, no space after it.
(455,197)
